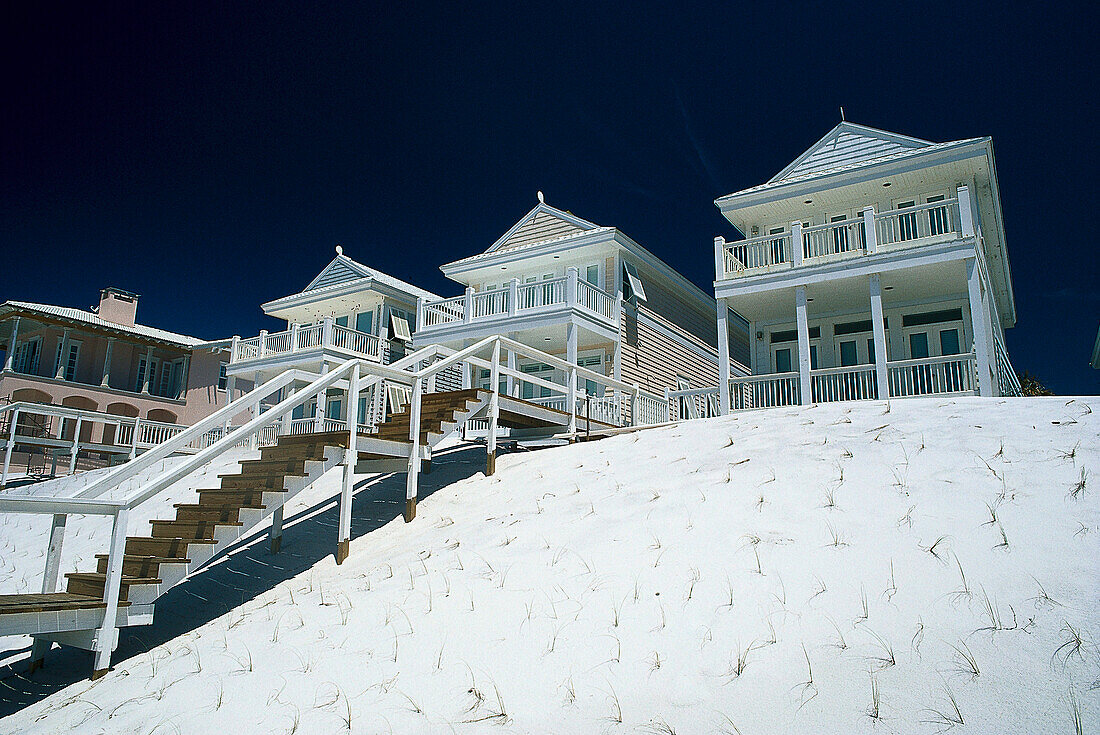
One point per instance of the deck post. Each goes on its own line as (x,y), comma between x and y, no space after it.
(723,357)
(319,414)
(414,452)
(9,359)
(979,327)
(263,343)
(351,456)
(76,445)
(796,244)
(105,637)
(513,296)
(635,405)
(881,373)
(494,411)
(326,332)
(11,445)
(49,582)
(294,337)
(719,258)
(510,381)
(134,439)
(571,400)
(870,234)
(966,211)
(105,381)
(806,395)
(468,305)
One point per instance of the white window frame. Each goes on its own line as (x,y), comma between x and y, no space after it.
(223,376)
(72,360)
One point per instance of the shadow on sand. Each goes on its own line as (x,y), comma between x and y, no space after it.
(249,570)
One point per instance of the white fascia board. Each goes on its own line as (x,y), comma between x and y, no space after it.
(831,180)
(1002,246)
(306,298)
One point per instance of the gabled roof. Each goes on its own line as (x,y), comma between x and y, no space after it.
(87,318)
(541,224)
(343,269)
(847,144)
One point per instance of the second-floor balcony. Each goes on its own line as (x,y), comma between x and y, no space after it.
(517,300)
(872,232)
(305,341)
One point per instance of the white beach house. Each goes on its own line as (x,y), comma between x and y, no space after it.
(873,266)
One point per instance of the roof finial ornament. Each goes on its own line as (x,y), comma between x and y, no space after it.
(542,199)
(339,249)
(842,113)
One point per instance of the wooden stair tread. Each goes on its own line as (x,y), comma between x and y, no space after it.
(149,558)
(100,577)
(195,522)
(49,602)
(166,539)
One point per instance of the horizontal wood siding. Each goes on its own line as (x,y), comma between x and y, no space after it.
(654,360)
(542,227)
(677,309)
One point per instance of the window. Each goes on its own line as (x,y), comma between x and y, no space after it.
(71,360)
(139,379)
(871,350)
(632,284)
(907,222)
(918,345)
(776,246)
(840,234)
(592,275)
(949,342)
(364,321)
(848,354)
(783,360)
(528,389)
(813,357)
(223,376)
(399,326)
(342,321)
(26,356)
(166,374)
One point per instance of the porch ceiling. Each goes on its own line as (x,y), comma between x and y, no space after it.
(853,295)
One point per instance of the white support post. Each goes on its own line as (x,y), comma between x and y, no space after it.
(467,371)
(235,348)
(494,410)
(76,446)
(468,305)
(254,440)
(571,358)
(513,296)
(322,400)
(326,332)
(979,327)
(351,456)
(719,258)
(796,244)
(294,337)
(571,400)
(635,405)
(806,395)
(105,637)
(414,452)
(723,357)
(9,359)
(572,275)
(263,342)
(510,382)
(134,438)
(147,376)
(966,211)
(870,234)
(419,311)
(230,387)
(11,445)
(879,329)
(62,348)
(49,581)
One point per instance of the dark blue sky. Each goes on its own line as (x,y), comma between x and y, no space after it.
(210,159)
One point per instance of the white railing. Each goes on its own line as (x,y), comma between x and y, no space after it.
(518,298)
(595,299)
(444,312)
(490,303)
(693,403)
(1008,382)
(853,383)
(757,252)
(540,293)
(914,223)
(326,334)
(833,238)
(932,376)
(764,391)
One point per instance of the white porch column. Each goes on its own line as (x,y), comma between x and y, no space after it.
(293,337)
(803,344)
(105,382)
(966,211)
(185,375)
(881,373)
(146,377)
(509,380)
(467,370)
(571,378)
(719,258)
(572,274)
(419,313)
(979,327)
(326,331)
(8,449)
(468,305)
(319,415)
(513,296)
(796,243)
(723,357)
(263,342)
(9,359)
(870,234)
(76,446)
(62,348)
(494,411)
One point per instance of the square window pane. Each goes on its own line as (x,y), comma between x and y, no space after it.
(949,342)
(783,360)
(918,345)
(848,354)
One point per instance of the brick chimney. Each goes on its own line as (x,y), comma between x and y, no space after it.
(118,306)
